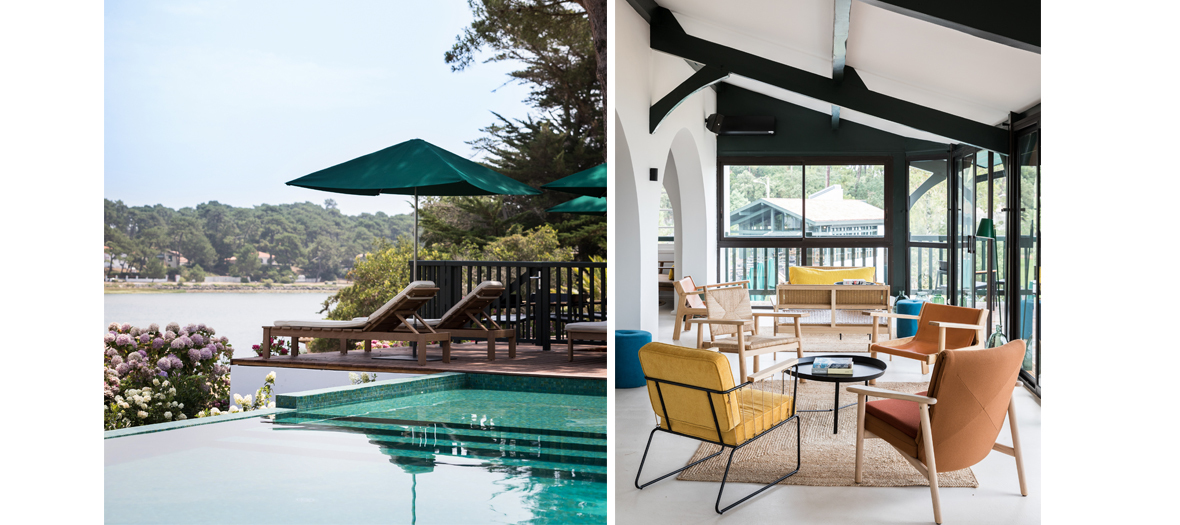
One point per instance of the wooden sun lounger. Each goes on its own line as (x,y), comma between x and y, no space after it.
(382,325)
(467,318)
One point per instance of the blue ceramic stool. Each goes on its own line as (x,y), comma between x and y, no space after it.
(628,372)
(908,327)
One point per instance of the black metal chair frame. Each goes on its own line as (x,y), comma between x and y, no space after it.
(709,395)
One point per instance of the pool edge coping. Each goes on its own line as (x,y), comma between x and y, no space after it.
(192,422)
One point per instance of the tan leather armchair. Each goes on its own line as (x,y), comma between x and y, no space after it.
(956,421)
(940,327)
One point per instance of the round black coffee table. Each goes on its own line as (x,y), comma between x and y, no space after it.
(864,368)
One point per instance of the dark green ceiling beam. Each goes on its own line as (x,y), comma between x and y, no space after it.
(645,8)
(1015,23)
(667,36)
(703,78)
(843,11)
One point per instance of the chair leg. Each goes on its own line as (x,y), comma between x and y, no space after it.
(644,460)
(1016,446)
(266,343)
(571,349)
(676,327)
(860,433)
(874,356)
(512,346)
(798,464)
(931,468)
(925,368)
(491,349)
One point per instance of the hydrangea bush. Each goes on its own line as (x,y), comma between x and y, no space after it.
(153,375)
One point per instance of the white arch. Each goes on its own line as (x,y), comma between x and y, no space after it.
(634,233)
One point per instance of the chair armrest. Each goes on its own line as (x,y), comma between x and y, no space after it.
(735,322)
(882,313)
(777,368)
(944,324)
(881,392)
(780,314)
(722,285)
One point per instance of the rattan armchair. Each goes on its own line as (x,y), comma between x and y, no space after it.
(957,420)
(689,303)
(730,317)
(693,395)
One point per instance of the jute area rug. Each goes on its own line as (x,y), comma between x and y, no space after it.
(829,460)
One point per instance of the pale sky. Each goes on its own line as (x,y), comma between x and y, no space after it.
(226,101)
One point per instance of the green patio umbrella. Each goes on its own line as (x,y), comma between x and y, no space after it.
(584,205)
(414,167)
(591,182)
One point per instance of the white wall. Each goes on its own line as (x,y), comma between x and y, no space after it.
(641,76)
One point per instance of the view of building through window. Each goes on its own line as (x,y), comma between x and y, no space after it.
(813,200)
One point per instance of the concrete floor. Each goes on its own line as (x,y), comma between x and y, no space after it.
(997,500)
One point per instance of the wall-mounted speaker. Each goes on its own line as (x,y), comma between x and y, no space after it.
(740,125)
(653,174)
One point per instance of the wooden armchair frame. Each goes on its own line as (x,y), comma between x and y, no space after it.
(743,347)
(689,302)
(889,347)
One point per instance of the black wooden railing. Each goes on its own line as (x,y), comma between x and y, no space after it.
(541,297)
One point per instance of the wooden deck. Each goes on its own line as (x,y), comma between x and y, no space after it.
(589,361)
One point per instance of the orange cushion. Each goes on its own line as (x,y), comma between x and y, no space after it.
(902,415)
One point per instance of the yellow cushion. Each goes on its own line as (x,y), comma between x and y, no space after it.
(760,411)
(690,366)
(741,415)
(809,275)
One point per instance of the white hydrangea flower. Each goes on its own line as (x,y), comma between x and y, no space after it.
(172,391)
(233,409)
(180,406)
(238,398)
(270,376)
(181,417)
(215,412)
(156,381)
(248,400)
(271,405)
(353,378)
(142,414)
(167,415)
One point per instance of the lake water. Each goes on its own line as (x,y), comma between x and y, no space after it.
(238,316)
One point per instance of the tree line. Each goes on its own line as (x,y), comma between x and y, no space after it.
(216,238)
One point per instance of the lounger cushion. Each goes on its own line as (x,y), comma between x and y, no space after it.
(356,322)
(467,299)
(323,324)
(595,327)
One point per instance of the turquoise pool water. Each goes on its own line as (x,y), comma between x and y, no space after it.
(449,456)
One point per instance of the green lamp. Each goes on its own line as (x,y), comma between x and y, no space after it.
(987,230)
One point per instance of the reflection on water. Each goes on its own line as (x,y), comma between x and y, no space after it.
(238,316)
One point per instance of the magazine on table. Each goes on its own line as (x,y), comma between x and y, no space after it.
(832,365)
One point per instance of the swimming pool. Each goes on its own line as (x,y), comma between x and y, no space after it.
(445,448)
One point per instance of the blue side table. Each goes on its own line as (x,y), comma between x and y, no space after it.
(628,372)
(908,327)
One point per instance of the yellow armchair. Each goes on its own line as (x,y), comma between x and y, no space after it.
(693,395)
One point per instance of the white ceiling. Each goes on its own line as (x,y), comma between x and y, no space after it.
(895,55)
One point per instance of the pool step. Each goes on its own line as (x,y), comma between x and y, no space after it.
(536,452)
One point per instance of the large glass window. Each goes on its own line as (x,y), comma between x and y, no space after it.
(667,221)
(812,200)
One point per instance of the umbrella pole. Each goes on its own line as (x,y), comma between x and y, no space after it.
(415,276)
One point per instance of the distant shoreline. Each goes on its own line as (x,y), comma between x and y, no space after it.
(157,288)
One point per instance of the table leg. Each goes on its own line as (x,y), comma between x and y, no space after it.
(836,411)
